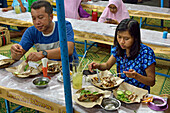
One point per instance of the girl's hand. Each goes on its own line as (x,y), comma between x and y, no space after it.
(92,66)
(131,73)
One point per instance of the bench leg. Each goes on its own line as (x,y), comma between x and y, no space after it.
(140,22)
(7,106)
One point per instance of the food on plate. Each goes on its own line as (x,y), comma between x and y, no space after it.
(148,99)
(126,96)
(23,70)
(107,81)
(53,67)
(2,62)
(88,96)
(6,62)
(26,67)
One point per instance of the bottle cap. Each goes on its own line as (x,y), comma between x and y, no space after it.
(165,33)
(94,10)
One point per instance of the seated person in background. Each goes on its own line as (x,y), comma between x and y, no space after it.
(23,8)
(82,13)
(74,10)
(22,3)
(135,60)
(114,12)
(44,36)
(3,3)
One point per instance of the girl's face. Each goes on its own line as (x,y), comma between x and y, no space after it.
(113,8)
(125,40)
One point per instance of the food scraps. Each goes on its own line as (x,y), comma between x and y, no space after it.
(88,96)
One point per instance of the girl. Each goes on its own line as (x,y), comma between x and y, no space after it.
(135,60)
(114,12)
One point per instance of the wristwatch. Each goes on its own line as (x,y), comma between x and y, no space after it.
(44,53)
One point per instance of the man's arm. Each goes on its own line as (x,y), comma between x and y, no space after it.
(52,54)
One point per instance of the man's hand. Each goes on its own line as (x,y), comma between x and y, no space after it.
(35,56)
(17,49)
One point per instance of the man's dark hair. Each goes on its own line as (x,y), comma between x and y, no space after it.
(133,27)
(42,3)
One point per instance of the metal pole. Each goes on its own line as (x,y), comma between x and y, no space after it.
(64,55)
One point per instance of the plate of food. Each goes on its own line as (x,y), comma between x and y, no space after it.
(90,96)
(128,93)
(23,70)
(107,81)
(53,67)
(4,63)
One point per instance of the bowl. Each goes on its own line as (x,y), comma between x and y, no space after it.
(41,82)
(159,102)
(110,104)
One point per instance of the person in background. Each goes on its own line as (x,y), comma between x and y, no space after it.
(23,8)
(82,13)
(22,3)
(44,36)
(3,4)
(74,10)
(114,12)
(134,59)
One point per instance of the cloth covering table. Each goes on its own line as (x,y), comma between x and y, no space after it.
(51,99)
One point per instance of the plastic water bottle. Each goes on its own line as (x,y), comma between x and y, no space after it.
(94,15)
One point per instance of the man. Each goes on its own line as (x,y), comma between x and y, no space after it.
(44,36)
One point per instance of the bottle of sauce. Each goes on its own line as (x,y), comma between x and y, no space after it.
(94,15)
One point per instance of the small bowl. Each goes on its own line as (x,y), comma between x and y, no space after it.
(110,104)
(41,82)
(159,102)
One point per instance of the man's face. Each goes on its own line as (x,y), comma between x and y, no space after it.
(41,19)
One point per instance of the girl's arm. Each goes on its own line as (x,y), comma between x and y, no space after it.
(147,80)
(23,9)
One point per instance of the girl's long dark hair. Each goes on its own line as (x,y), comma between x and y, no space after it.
(133,27)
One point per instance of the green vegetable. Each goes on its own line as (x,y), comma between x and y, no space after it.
(41,83)
(120,92)
(26,67)
(123,96)
(128,92)
(87,92)
(94,93)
